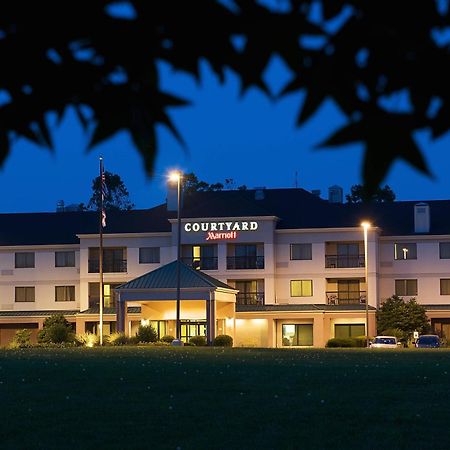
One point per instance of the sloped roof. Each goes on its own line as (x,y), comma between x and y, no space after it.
(72,312)
(294,208)
(165,277)
(63,227)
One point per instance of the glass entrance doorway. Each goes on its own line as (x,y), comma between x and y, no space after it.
(192,328)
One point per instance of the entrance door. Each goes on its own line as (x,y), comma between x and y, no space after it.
(190,329)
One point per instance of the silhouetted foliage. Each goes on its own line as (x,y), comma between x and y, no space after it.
(359,194)
(191,183)
(383,63)
(116,195)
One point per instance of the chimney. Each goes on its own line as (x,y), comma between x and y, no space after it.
(335,194)
(421,218)
(259,193)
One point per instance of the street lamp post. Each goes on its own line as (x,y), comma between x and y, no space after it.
(366,226)
(176,176)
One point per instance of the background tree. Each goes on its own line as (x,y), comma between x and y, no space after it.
(405,315)
(384,64)
(117,196)
(358,194)
(191,183)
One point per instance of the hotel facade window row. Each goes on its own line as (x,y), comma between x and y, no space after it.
(289,267)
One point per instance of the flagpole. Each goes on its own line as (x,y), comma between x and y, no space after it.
(100,256)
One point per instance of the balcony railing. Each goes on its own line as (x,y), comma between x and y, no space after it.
(203,263)
(250,298)
(342,262)
(245,262)
(118,265)
(346,297)
(108,302)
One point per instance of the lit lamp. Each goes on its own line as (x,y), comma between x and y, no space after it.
(366,226)
(175,177)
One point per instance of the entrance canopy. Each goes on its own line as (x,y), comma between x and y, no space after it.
(160,285)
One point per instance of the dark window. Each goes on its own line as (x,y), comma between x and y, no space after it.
(64,293)
(345,331)
(444,250)
(445,286)
(297,334)
(148,255)
(301,288)
(65,259)
(301,251)
(245,256)
(405,287)
(405,250)
(114,260)
(25,294)
(24,260)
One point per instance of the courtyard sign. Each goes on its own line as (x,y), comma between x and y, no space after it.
(220,230)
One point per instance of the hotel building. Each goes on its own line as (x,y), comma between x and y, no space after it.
(270,267)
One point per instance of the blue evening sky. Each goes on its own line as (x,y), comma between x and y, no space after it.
(249,138)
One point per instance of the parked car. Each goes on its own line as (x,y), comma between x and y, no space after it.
(385,342)
(428,341)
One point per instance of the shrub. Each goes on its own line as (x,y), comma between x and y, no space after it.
(360,341)
(87,339)
(167,338)
(56,329)
(341,342)
(118,339)
(134,340)
(223,340)
(198,341)
(22,339)
(146,333)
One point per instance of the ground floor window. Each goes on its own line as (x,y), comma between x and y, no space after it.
(297,334)
(94,327)
(441,327)
(190,329)
(344,331)
(160,326)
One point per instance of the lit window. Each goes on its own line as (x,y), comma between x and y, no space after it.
(301,251)
(297,334)
(405,251)
(344,331)
(301,288)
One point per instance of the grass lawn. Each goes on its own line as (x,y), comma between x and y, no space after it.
(209,398)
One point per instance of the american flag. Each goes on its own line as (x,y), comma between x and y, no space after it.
(104,192)
(103,218)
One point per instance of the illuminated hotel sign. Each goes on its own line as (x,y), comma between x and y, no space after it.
(220,230)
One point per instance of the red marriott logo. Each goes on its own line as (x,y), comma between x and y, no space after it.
(217,236)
